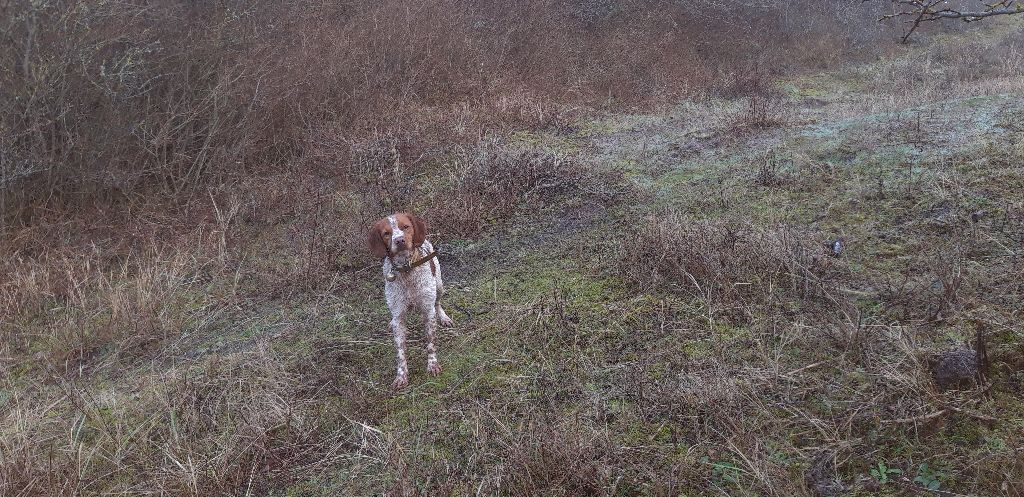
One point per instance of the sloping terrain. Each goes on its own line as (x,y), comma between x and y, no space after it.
(647,304)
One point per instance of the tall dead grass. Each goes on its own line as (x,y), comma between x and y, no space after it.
(956,68)
(165,433)
(65,309)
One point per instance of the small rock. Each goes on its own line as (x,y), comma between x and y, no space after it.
(956,368)
(837,247)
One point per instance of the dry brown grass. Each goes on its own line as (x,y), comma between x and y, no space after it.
(487,185)
(943,71)
(164,433)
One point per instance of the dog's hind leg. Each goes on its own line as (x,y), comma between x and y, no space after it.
(433,365)
(442,317)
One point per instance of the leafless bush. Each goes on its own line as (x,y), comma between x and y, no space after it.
(733,266)
(490,183)
(765,105)
(553,457)
(934,287)
(771,171)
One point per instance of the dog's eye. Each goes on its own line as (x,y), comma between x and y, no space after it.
(405,227)
(387,233)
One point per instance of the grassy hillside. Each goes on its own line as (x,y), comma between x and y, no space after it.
(645,304)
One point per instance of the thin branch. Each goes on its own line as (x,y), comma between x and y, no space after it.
(922,11)
(940,412)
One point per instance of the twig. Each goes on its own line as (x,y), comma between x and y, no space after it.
(806,368)
(923,11)
(940,412)
(976,415)
(915,419)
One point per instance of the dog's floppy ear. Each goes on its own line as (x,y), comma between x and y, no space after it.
(420,232)
(377,246)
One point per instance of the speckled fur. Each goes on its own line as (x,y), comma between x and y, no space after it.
(418,290)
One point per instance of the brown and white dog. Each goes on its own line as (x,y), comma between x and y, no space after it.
(412,283)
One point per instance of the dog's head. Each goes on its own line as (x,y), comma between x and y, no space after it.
(396,234)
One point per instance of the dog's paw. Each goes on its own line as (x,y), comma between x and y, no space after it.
(434,368)
(445,322)
(400,383)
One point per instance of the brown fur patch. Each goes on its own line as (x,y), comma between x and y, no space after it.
(419,230)
(377,238)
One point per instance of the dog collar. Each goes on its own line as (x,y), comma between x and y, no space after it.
(392,276)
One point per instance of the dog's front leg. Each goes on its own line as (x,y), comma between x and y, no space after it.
(402,369)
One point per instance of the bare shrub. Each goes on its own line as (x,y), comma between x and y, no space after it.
(489,183)
(728,266)
(765,104)
(772,171)
(934,286)
(548,457)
